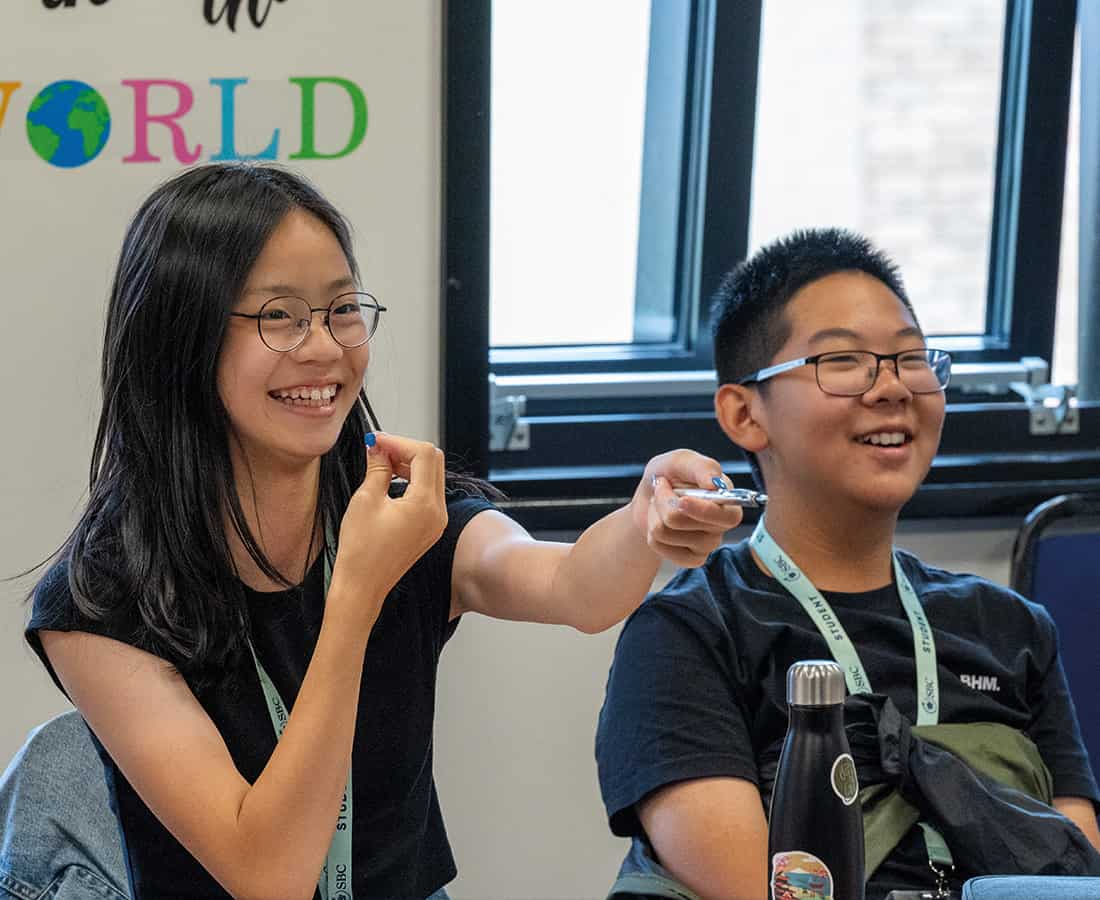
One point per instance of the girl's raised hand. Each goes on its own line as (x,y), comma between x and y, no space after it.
(381,537)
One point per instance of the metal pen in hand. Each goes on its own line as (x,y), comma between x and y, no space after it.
(724,495)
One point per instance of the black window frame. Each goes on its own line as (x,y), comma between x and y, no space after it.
(587,453)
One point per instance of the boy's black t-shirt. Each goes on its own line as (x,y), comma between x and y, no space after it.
(400,847)
(698,684)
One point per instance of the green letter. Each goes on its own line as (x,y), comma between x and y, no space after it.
(359,117)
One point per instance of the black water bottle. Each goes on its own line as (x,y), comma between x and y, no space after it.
(815,825)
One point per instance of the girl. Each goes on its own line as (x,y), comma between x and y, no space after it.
(247,614)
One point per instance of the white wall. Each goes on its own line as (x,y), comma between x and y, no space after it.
(517,703)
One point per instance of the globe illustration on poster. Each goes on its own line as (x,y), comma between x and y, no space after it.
(68,123)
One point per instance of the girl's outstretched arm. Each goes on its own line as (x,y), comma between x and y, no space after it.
(501,571)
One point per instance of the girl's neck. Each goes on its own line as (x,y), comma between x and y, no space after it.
(838,550)
(280,508)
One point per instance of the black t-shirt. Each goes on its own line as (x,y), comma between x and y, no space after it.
(698,685)
(400,847)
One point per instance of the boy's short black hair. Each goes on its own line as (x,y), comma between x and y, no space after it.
(747,312)
(747,318)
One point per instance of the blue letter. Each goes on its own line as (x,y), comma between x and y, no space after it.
(229,148)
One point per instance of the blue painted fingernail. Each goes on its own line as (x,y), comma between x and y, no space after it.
(369,439)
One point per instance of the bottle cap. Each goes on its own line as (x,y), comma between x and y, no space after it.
(815,682)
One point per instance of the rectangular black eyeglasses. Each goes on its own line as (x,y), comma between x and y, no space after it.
(938,361)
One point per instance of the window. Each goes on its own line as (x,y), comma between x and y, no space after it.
(882,118)
(566,166)
(1065,351)
(604,169)
(596,181)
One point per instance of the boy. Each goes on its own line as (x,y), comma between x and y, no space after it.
(828,386)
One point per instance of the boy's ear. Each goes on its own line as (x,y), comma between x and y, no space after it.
(736,407)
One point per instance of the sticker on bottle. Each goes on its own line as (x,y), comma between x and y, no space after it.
(844,780)
(800,876)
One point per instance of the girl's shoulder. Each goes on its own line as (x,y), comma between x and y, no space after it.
(52,598)
(64,600)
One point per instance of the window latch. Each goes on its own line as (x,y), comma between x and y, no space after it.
(1053,407)
(508,430)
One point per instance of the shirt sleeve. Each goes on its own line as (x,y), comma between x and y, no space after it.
(460,510)
(671,712)
(1054,727)
(54,609)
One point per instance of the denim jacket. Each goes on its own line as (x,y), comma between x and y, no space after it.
(59,837)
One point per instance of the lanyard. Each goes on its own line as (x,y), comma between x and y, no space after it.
(840,645)
(844,652)
(335,881)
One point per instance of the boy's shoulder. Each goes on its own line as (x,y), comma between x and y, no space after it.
(729,584)
(941,586)
(930,579)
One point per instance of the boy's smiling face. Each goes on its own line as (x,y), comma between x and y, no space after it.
(817,446)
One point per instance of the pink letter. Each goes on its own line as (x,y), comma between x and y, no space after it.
(142,118)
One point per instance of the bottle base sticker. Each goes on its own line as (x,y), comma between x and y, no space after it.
(800,876)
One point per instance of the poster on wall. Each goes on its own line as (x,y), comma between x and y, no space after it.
(69,122)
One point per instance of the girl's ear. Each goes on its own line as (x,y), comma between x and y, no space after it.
(737,408)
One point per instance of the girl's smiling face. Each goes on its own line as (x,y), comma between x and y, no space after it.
(288,408)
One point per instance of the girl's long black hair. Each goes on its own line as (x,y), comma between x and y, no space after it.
(149,556)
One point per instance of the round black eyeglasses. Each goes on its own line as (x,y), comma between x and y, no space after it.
(852,373)
(284,322)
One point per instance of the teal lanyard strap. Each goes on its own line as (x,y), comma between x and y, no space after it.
(844,652)
(792,578)
(335,881)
